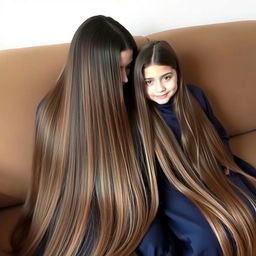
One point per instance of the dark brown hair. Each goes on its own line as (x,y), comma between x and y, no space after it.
(89,195)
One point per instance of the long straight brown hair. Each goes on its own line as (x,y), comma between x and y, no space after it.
(196,168)
(89,194)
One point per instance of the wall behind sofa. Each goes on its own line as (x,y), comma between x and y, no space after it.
(26,23)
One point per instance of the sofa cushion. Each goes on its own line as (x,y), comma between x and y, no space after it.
(244,146)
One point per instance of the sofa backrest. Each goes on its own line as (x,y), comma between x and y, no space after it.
(26,75)
(220,58)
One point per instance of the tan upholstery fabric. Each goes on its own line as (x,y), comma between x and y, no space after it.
(8,220)
(140,40)
(244,146)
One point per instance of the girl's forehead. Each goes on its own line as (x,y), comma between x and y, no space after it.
(156,70)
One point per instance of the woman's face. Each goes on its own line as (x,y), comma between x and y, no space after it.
(160,83)
(125,64)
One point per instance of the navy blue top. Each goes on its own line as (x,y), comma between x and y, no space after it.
(189,231)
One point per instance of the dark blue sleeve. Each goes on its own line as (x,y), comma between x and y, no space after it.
(203,101)
(245,166)
(157,241)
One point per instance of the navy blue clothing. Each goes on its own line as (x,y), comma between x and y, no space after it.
(158,241)
(194,234)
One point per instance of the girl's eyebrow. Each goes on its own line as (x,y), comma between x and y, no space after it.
(168,73)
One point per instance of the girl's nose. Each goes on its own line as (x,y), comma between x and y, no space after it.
(159,87)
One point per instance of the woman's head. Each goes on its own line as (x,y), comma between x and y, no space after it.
(157,71)
(101,47)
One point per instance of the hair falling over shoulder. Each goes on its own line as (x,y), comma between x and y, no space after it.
(196,168)
(89,195)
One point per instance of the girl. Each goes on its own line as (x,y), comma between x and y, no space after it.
(207,194)
(90,195)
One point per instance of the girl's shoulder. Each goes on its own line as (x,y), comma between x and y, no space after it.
(198,93)
(195,90)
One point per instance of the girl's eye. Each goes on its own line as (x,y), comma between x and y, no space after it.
(167,78)
(148,82)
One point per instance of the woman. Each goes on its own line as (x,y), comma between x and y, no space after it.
(90,194)
(208,199)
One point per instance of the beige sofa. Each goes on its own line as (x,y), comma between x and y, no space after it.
(219,58)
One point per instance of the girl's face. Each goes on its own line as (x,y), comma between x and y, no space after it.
(160,83)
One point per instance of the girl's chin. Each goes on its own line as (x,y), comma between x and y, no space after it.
(163,99)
